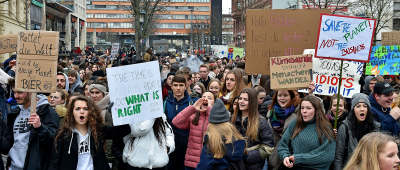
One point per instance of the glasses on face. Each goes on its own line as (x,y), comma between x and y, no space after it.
(54,97)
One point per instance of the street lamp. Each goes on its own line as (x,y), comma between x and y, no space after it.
(213,37)
(142,17)
(239,36)
(225,40)
(191,32)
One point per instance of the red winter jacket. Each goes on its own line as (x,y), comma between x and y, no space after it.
(184,121)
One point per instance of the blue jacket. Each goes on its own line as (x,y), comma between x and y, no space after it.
(172,108)
(382,116)
(233,153)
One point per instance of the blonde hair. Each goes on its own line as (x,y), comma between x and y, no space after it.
(396,102)
(217,132)
(369,147)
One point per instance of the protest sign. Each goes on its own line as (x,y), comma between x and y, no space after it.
(280,32)
(8,43)
(345,38)
(220,51)
(326,76)
(291,72)
(390,38)
(136,92)
(114,49)
(37,61)
(35,42)
(235,51)
(38,75)
(384,61)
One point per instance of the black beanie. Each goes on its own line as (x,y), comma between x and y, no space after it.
(218,113)
(170,74)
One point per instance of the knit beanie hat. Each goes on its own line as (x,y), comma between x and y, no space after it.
(359,98)
(218,113)
(171,74)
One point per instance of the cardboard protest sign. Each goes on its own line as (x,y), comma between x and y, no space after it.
(291,72)
(35,42)
(326,76)
(384,61)
(114,49)
(280,32)
(37,61)
(345,38)
(390,38)
(8,43)
(136,92)
(38,75)
(235,51)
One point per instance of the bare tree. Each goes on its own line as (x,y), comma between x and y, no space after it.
(335,5)
(150,8)
(381,10)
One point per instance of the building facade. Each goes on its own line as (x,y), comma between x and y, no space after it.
(115,24)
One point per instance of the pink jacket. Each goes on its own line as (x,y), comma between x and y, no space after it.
(196,135)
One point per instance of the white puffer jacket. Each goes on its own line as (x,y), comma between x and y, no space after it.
(145,152)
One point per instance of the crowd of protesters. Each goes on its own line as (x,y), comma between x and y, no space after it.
(216,117)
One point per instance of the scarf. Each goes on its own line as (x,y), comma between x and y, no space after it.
(278,116)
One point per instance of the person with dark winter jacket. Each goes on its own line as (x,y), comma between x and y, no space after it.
(74,81)
(251,125)
(359,123)
(33,134)
(218,154)
(264,108)
(5,139)
(381,100)
(174,104)
(370,82)
(80,142)
(166,89)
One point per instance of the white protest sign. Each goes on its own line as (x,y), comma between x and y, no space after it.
(326,76)
(114,49)
(345,38)
(136,92)
(220,51)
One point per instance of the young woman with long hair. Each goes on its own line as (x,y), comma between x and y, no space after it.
(148,145)
(231,87)
(214,86)
(195,119)
(261,94)
(58,101)
(99,93)
(79,143)
(254,128)
(309,141)
(376,151)
(199,88)
(342,114)
(234,106)
(223,143)
(359,123)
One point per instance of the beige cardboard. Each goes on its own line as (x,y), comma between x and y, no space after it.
(8,43)
(291,72)
(36,42)
(36,75)
(281,32)
(390,38)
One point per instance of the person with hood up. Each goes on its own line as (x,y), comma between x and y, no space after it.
(33,134)
(79,144)
(223,143)
(178,100)
(370,82)
(62,81)
(255,79)
(74,82)
(195,119)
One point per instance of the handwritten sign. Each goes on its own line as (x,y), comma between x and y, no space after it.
(35,42)
(38,75)
(390,38)
(8,43)
(220,51)
(384,61)
(37,61)
(326,76)
(291,72)
(345,38)
(114,49)
(280,32)
(136,92)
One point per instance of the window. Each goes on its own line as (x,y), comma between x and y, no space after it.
(89,15)
(197,26)
(96,25)
(227,19)
(227,26)
(239,6)
(179,17)
(100,15)
(198,1)
(204,8)
(180,8)
(171,26)
(107,7)
(159,16)
(113,15)
(120,25)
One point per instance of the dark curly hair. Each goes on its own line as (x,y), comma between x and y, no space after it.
(95,121)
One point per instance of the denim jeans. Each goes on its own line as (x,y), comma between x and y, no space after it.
(266,165)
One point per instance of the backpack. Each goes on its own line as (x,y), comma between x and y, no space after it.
(239,165)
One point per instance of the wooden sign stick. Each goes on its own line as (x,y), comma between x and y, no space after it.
(33,102)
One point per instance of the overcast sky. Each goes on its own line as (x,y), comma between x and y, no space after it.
(226,6)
